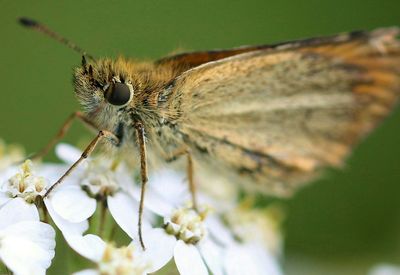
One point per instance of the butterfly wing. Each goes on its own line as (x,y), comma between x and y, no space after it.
(184,61)
(272,118)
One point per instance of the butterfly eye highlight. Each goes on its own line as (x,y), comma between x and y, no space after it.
(118,94)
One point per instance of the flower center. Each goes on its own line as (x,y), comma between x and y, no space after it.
(99,180)
(121,261)
(25,184)
(187,225)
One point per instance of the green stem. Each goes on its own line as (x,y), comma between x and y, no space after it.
(103,217)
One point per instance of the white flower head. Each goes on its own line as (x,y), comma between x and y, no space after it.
(202,241)
(25,184)
(186,224)
(75,200)
(99,178)
(122,260)
(183,235)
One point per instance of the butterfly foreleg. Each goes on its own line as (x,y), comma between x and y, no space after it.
(103,134)
(61,133)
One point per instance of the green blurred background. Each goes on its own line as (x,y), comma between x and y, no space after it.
(342,224)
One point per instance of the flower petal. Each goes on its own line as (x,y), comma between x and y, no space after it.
(268,263)
(154,202)
(8,173)
(89,246)
(52,172)
(28,247)
(72,203)
(124,178)
(124,210)
(159,248)
(87,272)
(219,231)
(212,255)
(17,210)
(171,185)
(249,259)
(4,198)
(188,260)
(65,226)
(67,153)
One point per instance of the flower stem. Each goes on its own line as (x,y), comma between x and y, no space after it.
(113,231)
(103,216)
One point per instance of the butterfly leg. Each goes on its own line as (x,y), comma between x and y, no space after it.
(89,149)
(189,170)
(143,175)
(63,130)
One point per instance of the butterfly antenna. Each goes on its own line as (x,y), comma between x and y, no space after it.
(32,24)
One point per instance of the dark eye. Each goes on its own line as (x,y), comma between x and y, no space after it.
(118,94)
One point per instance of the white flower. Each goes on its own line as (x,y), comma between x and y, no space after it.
(26,245)
(75,200)
(184,237)
(183,229)
(25,184)
(197,244)
(208,242)
(187,227)
(124,260)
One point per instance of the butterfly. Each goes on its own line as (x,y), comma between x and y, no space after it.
(269,118)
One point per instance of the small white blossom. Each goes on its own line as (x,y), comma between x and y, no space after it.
(201,243)
(123,260)
(183,233)
(99,179)
(186,225)
(25,184)
(26,245)
(183,229)
(74,201)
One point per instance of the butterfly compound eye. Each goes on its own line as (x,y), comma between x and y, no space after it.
(118,94)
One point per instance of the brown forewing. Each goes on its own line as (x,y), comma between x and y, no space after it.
(271,118)
(184,61)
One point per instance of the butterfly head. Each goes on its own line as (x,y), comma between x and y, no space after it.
(100,85)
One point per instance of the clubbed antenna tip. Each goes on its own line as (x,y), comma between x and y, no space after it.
(30,23)
(27,22)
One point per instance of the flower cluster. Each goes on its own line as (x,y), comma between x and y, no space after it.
(101,196)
